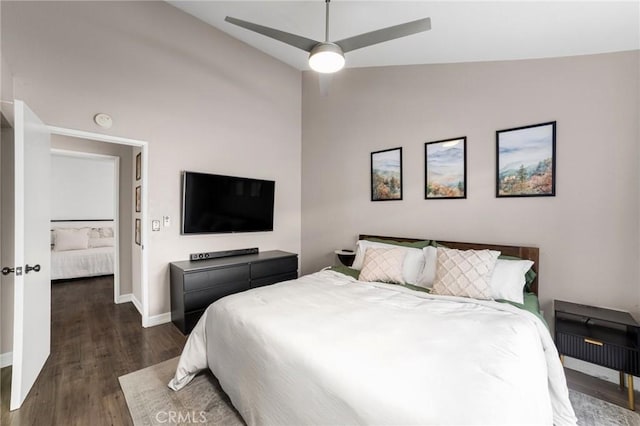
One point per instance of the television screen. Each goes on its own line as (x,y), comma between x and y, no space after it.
(219,204)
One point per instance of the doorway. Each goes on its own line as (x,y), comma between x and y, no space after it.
(141,148)
(86,194)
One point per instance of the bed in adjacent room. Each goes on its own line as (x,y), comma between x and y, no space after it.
(344,347)
(82,249)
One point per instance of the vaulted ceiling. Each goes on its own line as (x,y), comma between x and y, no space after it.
(461,31)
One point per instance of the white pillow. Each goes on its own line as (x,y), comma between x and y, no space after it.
(428,274)
(464,273)
(413,260)
(383,265)
(101,242)
(508,279)
(71,239)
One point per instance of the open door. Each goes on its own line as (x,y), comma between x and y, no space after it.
(31,266)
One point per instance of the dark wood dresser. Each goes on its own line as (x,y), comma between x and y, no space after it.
(197,284)
(600,336)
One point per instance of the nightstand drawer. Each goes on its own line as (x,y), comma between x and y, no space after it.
(194,281)
(598,352)
(274,267)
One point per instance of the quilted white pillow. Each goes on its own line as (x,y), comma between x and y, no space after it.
(508,279)
(71,239)
(413,261)
(383,265)
(464,273)
(428,274)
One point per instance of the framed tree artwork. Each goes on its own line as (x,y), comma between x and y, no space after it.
(526,161)
(445,169)
(386,175)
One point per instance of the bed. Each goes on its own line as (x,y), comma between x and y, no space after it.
(82,249)
(330,349)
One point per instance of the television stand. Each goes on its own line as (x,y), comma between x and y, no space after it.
(197,284)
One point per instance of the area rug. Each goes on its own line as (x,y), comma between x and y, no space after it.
(204,402)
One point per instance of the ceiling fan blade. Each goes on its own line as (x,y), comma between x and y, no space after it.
(384,34)
(300,42)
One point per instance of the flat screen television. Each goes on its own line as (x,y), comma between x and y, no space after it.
(223,204)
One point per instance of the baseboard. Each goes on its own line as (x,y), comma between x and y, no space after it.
(6,359)
(136,303)
(124,298)
(156,320)
(596,371)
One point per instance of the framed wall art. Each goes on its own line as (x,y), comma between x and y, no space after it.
(386,175)
(445,169)
(138,232)
(139,166)
(526,161)
(138,199)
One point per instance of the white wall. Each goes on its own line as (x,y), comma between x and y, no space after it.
(587,233)
(203,100)
(82,188)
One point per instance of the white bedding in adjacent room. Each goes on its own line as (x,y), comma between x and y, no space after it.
(327,349)
(89,262)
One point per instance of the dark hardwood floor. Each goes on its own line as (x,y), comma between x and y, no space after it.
(93,342)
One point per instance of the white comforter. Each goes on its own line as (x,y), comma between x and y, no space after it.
(89,262)
(327,349)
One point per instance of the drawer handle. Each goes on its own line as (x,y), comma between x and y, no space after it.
(593,342)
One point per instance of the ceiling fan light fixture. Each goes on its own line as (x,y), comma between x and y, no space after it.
(326,58)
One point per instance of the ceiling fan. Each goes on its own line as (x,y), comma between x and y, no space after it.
(326,56)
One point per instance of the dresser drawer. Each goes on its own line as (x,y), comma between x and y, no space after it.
(274,267)
(273,279)
(200,280)
(597,352)
(194,300)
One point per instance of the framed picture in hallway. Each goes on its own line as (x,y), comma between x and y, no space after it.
(526,161)
(139,166)
(138,199)
(386,175)
(138,232)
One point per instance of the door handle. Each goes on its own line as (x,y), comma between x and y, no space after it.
(28,268)
(6,270)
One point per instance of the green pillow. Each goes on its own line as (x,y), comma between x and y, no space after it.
(354,273)
(416,244)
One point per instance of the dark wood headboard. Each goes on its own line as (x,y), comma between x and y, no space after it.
(530,253)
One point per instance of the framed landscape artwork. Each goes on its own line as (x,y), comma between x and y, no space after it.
(526,161)
(386,175)
(445,169)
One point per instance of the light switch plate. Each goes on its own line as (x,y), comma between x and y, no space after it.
(155,225)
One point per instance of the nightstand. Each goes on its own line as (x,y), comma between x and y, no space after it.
(601,336)
(346,256)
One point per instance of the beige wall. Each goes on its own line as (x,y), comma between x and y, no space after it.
(587,234)
(125,196)
(203,100)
